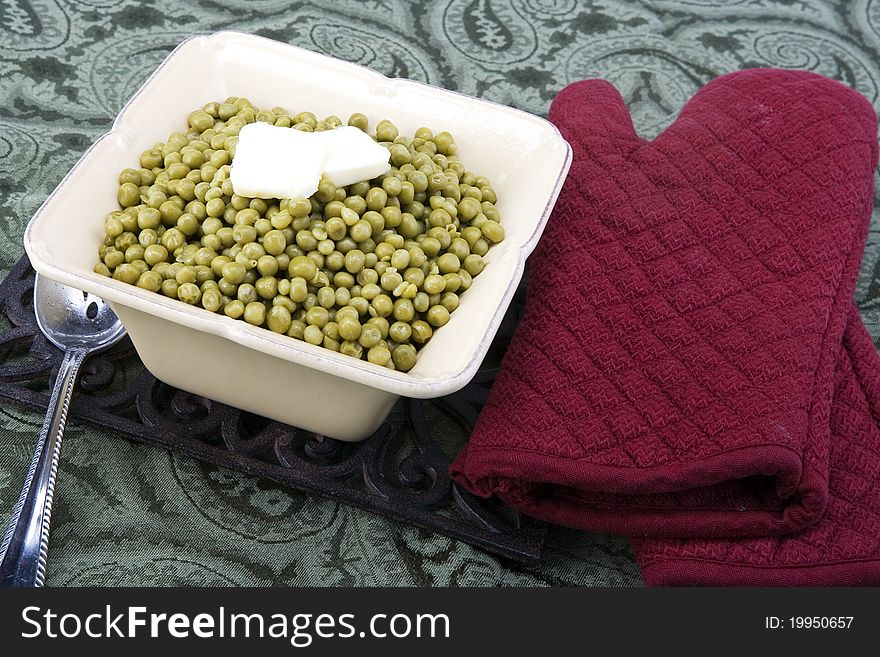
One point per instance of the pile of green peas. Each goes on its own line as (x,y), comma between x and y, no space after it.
(370,270)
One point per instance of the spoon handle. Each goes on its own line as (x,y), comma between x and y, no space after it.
(26,541)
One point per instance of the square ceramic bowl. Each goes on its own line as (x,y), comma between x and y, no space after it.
(252,368)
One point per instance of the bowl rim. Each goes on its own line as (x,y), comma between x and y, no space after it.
(297,351)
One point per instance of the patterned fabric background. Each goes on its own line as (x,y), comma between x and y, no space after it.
(129,514)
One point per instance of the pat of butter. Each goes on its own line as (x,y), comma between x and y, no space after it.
(353,156)
(275,162)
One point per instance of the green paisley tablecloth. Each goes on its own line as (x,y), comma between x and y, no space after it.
(130,514)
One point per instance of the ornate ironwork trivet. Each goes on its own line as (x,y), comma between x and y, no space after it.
(401,471)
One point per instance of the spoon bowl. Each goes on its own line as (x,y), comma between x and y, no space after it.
(71,318)
(79,324)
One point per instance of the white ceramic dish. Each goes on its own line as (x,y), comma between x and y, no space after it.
(251,368)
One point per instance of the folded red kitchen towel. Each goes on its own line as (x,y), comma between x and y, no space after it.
(691,364)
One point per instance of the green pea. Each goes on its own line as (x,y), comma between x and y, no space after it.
(437,181)
(430,246)
(297,329)
(384,251)
(400,155)
(367,276)
(493,231)
(474,264)
(471,234)
(302,267)
(414,276)
(404,357)
(148,237)
(400,259)
(281,220)
(242,234)
(278,319)
(255,313)
(421,331)
(299,207)
(376,221)
(154,254)
(147,217)
(349,328)
(150,159)
(351,348)
(380,323)
(480,247)
(434,283)
(390,280)
(379,355)
(343,279)
(409,226)
(169,288)
(215,207)
(391,185)
(360,304)
(391,216)
(172,239)
(400,332)
(234,272)
(418,180)
(313,334)
(217,264)
(185,275)
(306,240)
(346,312)
(376,198)
(140,266)
(274,242)
(128,195)
(234,309)
(448,263)
(459,248)
(299,291)
(149,280)
(253,251)
(453,282)
(113,227)
(359,121)
(386,131)
(381,305)
(331,330)
(267,265)
(211,300)
(326,297)
(189,293)
(370,336)
(247,293)
(361,231)
(267,288)
(263,226)
(227,288)
(355,201)
(134,252)
(450,301)
(317,316)
(170,213)
(404,310)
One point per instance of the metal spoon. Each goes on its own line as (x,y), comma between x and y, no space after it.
(78,323)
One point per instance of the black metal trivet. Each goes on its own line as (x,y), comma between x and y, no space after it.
(401,471)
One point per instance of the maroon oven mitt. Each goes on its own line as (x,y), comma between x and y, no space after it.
(691,364)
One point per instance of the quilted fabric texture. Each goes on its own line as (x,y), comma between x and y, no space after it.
(691,366)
